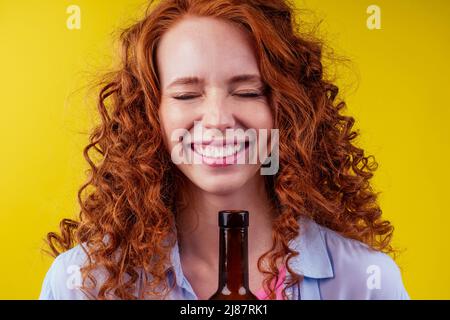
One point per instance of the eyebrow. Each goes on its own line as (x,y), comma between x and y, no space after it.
(233,80)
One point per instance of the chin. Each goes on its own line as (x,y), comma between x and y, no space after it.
(220,185)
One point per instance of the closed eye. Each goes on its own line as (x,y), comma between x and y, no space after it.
(249,95)
(185,97)
(242,95)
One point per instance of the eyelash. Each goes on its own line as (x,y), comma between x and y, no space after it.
(244,95)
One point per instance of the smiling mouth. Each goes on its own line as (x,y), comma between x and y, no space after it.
(219,152)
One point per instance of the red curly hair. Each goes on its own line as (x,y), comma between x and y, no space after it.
(130,197)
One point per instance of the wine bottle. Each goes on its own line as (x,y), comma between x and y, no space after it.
(233,257)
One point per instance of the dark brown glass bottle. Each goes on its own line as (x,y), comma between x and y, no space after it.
(233,257)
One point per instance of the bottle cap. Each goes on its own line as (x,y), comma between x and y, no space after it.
(233,218)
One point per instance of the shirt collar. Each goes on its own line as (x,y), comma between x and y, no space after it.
(176,264)
(313,260)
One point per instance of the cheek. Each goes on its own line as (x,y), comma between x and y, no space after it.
(267,117)
(259,118)
(169,124)
(174,122)
(171,119)
(164,119)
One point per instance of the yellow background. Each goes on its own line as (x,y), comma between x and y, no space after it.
(401,105)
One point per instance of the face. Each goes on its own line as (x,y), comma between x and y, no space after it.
(210,91)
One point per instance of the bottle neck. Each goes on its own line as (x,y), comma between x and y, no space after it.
(233,262)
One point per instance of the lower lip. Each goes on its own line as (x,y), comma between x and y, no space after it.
(222,162)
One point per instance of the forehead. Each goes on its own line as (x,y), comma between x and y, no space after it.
(205,47)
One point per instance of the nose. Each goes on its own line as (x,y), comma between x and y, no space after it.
(218,115)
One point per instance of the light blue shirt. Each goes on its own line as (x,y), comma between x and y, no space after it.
(333,266)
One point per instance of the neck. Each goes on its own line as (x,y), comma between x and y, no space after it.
(197,223)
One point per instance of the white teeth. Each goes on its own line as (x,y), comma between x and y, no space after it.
(218,152)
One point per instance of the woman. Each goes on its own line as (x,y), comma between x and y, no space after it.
(148,222)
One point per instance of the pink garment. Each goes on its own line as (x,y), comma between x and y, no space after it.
(262,295)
